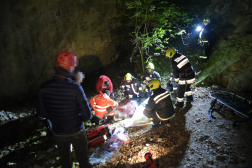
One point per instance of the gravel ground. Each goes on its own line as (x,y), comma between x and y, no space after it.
(191,141)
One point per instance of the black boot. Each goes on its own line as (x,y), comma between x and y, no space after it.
(189,98)
(159,125)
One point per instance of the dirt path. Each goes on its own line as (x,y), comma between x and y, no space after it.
(192,141)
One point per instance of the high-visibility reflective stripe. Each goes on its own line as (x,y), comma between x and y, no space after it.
(170,78)
(203,57)
(161,98)
(133,89)
(188,93)
(163,119)
(179,58)
(200,34)
(100,109)
(140,88)
(115,103)
(123,86)
(101,106)
(176,79)
(175,88)
(162,94)
(183,82)
(182,63)
(180,99)
(128,86)
(146,90)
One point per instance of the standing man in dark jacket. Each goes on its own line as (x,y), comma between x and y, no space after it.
(159,106)
(183,73)
(64,103)
(150,74)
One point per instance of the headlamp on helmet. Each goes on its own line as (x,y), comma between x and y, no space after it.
(154,84)
(207,20)
(128,76)
(150,66)
(170,52)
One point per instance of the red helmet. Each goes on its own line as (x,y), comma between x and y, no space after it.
(66,60)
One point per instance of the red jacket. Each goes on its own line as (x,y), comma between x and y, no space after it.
(100,81)
(100,103)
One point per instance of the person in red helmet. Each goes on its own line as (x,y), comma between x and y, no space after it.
(104,85)
(64,103)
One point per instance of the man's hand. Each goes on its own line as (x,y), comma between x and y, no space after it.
(79,77)
(147,83)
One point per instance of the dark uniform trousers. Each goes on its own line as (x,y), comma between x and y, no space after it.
(80,145)
(183,88)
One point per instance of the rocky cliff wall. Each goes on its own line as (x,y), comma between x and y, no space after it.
(230,64)
(33,32)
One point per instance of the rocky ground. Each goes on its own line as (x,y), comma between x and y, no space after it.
(191,141)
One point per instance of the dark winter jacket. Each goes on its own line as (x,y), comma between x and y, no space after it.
(132,88)
(181,67)
(161,103)
(206,32)
(148,76)
(64,103)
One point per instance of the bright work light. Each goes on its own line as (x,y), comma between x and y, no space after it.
(198,28)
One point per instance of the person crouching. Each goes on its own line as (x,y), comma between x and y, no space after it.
(159,107)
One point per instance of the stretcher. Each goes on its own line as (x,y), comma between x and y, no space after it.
(237,104)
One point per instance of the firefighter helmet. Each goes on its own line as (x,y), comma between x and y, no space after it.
(128,76)
(66,60)
(154,84)
(170,52)
(207,20)
(150,66)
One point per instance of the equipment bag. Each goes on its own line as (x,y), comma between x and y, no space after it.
(98,135)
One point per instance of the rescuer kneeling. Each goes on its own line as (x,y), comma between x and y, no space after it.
(159,107)
(103,105)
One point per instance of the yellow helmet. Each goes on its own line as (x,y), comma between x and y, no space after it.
(170,52)
(207,20)
(150,66)
(128,76)
(154,84)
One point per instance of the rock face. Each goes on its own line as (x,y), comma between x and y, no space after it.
(230,64)
(34,32)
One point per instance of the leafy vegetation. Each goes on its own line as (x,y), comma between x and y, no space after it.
(155,23)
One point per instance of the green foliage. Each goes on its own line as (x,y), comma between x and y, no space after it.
(156,22)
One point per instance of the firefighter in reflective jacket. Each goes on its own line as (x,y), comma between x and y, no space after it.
(159,107)
(150,74)
(132,88)
(172,86)
(204,37)
(102,104)
(183,73)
